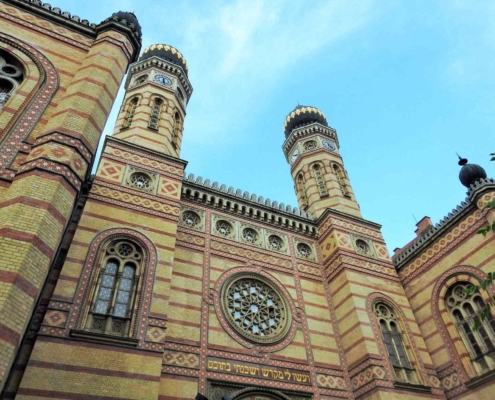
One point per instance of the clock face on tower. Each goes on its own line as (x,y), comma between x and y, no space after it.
(163,80)
(294,156)
(328,145)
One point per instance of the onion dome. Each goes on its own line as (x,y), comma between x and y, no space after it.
(470,173)
(130,18)
(165,52)
(303,115)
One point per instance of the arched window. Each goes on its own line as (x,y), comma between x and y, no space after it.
(131,110)
(394,342)
(177,129)
(320,181)
(155,114)
(301,191)
(340,179)
(11,76)
(464,310)
(113,299)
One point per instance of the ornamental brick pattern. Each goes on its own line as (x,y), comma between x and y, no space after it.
(327,266)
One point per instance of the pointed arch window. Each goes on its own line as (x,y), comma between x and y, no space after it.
(394,342)
(131,110)
(464,310)
(320,181)
(301,191)
(116,287)
(155,114)
(11,76)
(177,129)
(340,179)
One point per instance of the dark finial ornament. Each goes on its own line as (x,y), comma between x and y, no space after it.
(470,173)
(303,115)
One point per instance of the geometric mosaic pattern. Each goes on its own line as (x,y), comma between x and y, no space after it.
(250,254)
(331,382)
(134,199)
(55,318)
(155,334)
(367,375)
(111,170)
(169,188)
(451,381)
(188,360)
(309,270)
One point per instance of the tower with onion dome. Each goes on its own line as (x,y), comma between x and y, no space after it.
(311,148)
(154,107)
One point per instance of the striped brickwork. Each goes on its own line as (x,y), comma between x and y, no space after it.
(355,281)
(459,254)
(318,203)
(139,131)
(113,209)
(37,205)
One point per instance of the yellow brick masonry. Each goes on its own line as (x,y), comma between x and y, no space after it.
(82,114)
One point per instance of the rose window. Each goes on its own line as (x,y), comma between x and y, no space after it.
(304,250)
(275,242)
(256,309)
(250,235)
(224,228)
(310,145)
(140,181)
(190,218)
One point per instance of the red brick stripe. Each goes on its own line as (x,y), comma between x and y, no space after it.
(20,282)
(9,335)
(52,394)
(37,204)
(27,237)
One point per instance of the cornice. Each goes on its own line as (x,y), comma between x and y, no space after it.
(247,205)
(164,65)
(330,212)
(307,130)
(431,235)
(55,14)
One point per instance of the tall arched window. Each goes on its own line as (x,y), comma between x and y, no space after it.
(394,342)
(113,299)
(320,181)
(155,114)
(464,309)
(340,179)
(131,110)
(11,76)
(301,191)
(177,129)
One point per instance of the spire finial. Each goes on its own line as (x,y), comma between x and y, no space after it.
(462,161)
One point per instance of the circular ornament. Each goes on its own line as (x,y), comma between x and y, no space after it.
(328,145)
(163,80)
(255,308)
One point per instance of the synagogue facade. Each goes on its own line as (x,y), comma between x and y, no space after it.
(144,282)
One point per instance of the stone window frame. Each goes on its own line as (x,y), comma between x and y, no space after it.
(130,108)
(111,322)
(286,314)
(318,170)
(313,255)
(306,143)
(398,342)
(259,242)
(201,214)
(153,176)
(371,248)
(301,189)
(138,80)
(284,239)
(157,105)
(480,345)
(217,218)
(340,175)
(178,125)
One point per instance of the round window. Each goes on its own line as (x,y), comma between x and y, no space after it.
(140,180)
(224,228)
(304,250)
(310,145)
(275,242)
(191,218)
(362,246)
(250,235)
(255,308)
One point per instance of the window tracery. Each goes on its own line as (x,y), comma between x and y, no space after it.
(177,131)
(131,110)
(275,242)
(340,179)
(320,181)
(464,310)
(309,145)
(303,250)
(224,228)
(301,190)
(11,76)
(394,342)
(250,235)
(190,218)
(112,304)
(155,114)
(255,308)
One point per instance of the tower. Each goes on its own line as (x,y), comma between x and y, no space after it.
(311,148)
(154,106)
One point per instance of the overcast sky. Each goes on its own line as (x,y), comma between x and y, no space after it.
(406,84)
